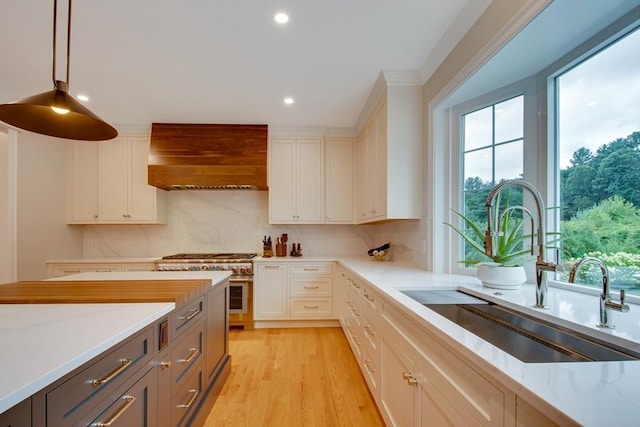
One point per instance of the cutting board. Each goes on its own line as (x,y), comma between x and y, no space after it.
(103,291)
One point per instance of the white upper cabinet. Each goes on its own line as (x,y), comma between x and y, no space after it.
(109,184)
(339,181)
(390,158)
(295,180)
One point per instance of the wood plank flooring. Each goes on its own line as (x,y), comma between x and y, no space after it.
(293,377)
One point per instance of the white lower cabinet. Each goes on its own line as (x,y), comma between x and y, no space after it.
(270,291)
(414,379)
(59,268)
(293,290)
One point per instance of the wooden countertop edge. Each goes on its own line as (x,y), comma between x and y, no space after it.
(103,291)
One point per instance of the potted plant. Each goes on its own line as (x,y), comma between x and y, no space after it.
(504,269)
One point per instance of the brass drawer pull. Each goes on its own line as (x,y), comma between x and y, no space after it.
(191,314)
(271,266)
(113,374)
(367,364)
(194,351)
(368,329)
(369,297)
(165,365)
(194,394)
(312,287)
(112,419)
(411,379)
(311,269)
(311,306)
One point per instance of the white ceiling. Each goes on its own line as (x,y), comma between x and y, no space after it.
(227,61)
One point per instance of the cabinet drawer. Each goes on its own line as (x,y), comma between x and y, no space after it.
(319,307)
(187,398)
(67,402)
(186,354)
(186,315)
(66,270)
(132,408)
(310,286)
(324,268)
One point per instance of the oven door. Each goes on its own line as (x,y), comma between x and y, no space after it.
(238,292)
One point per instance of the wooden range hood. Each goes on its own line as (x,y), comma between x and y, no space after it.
(208,156)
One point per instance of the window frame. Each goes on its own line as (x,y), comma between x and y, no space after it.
(527,89)
(540,148)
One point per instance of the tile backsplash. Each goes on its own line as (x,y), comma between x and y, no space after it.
(234,221)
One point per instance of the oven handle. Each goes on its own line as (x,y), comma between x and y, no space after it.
(240,279)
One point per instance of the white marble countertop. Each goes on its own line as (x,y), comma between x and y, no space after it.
(41,343)
(587,393)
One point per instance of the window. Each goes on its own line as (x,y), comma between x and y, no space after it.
(598,145)
(492,150)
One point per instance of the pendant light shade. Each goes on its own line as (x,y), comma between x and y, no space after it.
(56,113)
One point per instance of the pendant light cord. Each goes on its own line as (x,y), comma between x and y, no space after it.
(55,22)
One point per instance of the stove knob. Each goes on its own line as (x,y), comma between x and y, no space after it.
(243,270)
(234,270)
(249,270)
(205,268)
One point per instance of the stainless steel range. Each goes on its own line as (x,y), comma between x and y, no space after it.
(240,282)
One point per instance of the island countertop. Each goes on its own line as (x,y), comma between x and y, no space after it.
(43,342)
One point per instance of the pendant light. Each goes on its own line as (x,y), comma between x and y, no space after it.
(56,113)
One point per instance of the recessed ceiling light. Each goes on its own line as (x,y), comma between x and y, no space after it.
(288,101)
(83,97)
(281,18)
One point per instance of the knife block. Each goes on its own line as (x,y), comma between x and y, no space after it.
(281,249)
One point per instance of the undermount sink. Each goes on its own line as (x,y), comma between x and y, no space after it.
(527,338)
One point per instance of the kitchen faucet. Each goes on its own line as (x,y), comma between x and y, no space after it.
(606,304)
(541,264)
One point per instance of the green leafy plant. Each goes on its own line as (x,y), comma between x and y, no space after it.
(508,248)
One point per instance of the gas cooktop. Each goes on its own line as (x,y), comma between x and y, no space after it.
(211,256)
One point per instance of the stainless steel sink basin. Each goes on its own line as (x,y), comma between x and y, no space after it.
(529,339)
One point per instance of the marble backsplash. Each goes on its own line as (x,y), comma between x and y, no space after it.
(236,221)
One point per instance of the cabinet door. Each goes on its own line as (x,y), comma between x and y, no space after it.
(17,416)
(339,181)
(308,180)
(217,330)
(282,180)
(83,203)
(362,182)
(114,178)
(270,290)
(141,199)
(399,388)
(379,196)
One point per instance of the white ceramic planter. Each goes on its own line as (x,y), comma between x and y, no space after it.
(500,277)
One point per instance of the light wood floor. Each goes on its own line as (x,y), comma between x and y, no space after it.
(293,377)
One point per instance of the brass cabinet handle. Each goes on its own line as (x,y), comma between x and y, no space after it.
(311,306)
(369,297)
(125,364)
(411,380)
(368,329)
(271,266)
(165,365)
(194,394)
(312,287)
(367,364)
(110,420)
(194,351)
(191,314)
(310,269)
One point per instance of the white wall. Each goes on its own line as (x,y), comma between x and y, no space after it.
(42,231)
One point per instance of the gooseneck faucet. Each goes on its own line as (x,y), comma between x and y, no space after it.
(606,304)
(541,264)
